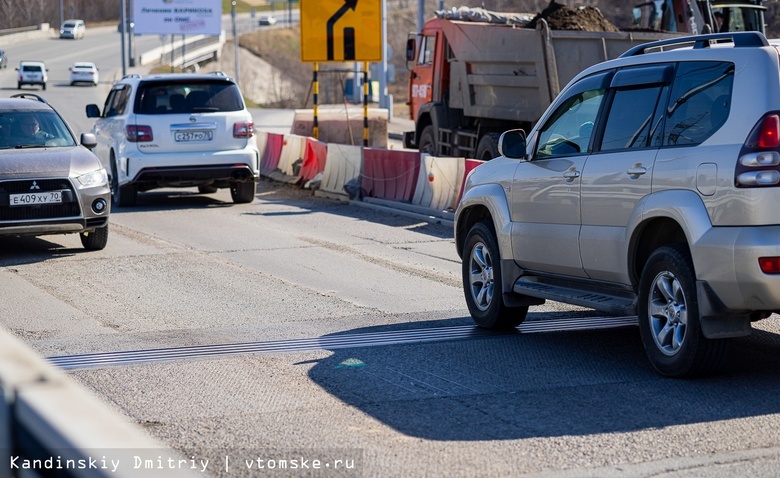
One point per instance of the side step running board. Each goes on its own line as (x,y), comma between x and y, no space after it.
(606,300)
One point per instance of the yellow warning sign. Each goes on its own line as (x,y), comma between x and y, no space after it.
(341,30)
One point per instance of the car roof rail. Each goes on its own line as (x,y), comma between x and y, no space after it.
(131,75)
(28,96)
(740,40)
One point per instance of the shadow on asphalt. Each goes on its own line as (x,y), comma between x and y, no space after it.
(526,385)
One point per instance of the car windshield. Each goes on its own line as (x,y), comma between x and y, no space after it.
(33,129)
(180,96)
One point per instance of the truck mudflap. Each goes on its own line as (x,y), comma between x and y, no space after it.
(409,140)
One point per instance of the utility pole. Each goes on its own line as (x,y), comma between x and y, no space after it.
(235,37)
(122,19)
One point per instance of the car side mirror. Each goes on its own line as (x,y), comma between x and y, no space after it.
(93,111)
(88,140)
(410,49)
(512,144)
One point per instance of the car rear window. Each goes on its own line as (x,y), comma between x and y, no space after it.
(173,97)
(31,68)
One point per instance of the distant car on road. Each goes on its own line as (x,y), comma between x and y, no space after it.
(75,29)
(84,72)
(3,59)
(50,183)
(32,73)
(266,20)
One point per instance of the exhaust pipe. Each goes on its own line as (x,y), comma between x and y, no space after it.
(240,175)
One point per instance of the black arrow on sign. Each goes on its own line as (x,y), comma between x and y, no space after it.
(332,21)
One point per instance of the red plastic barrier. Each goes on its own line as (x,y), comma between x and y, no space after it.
(272,153)
(313,159)
(470,164)
(389,174)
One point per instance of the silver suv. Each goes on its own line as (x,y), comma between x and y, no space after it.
(50,183)
(176,130)
(649,187)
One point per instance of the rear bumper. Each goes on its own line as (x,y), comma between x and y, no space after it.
(727,259)
(184,174)
(171,168)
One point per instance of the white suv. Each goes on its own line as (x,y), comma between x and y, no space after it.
(649,187)
(32,73)
(176,130)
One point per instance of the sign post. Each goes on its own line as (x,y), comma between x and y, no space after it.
(341,31)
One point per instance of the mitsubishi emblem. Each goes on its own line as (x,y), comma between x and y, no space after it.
(35,185)
(193,119)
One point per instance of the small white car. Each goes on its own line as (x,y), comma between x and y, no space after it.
(32,73)
(266,20)
(84,72)
(74,29)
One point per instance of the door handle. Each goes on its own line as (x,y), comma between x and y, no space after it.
(636,171)
(571,174)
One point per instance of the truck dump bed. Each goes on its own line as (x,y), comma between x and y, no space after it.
(513,73)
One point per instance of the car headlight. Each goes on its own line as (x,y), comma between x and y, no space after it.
(92,179)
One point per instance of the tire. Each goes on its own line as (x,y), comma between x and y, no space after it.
(95,240)
(18,86)
(209,189)
(122,196)
(487,148)
(44,86)
(427,143)
(669,323)
(242,192)
(482,281)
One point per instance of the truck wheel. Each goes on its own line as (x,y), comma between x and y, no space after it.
(482,281)
(95,240)
(487,148)
(427,143)
(669,316)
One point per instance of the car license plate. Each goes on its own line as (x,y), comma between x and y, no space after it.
(30,199)
(184,136)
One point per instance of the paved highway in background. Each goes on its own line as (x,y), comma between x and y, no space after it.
(300,327)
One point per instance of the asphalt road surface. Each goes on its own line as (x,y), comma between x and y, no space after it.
(299,328)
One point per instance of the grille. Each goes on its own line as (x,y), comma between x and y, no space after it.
(68,208)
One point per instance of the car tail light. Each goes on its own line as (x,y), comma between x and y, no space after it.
(243,130)
(137,133)
(769,265)
(759,160)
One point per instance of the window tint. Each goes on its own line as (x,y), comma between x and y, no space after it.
(116,103)
(571,125)
(187,97)
(699,103)
(630,118)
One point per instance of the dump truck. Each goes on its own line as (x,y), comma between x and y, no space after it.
(474,77)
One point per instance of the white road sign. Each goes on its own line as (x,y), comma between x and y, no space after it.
(178,17)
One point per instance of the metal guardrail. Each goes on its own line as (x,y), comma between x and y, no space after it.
(193,50)
(51,426)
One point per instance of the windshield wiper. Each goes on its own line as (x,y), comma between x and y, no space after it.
(26,146)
